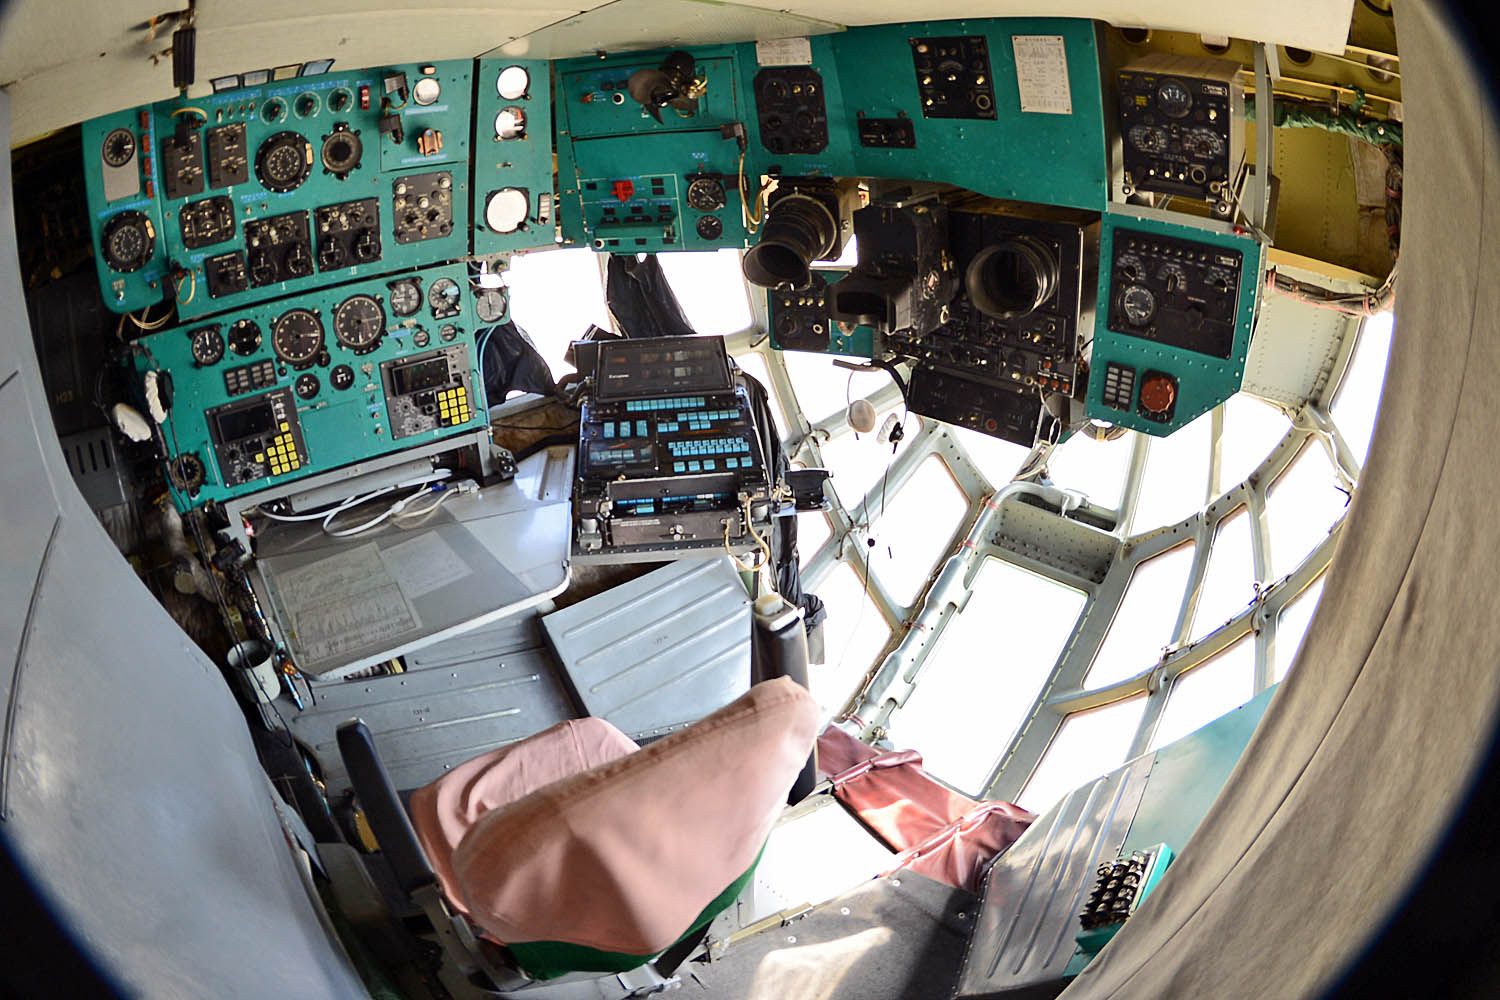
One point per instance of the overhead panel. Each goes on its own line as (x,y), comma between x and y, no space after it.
(514,201)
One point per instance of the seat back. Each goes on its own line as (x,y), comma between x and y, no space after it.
(606,869)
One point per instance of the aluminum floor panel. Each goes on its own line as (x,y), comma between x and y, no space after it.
(660,651)
(461,698)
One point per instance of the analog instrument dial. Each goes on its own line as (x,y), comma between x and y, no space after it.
(127,241)
(359,323)
(283,161)
(119,147)
(443,297)
(406,296)
(244,337)
(1138,304)
(490,304)
(297,336)
(207,346)
(1174,99)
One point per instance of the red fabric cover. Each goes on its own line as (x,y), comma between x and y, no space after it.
(623,856)
(444,811)
(943,834)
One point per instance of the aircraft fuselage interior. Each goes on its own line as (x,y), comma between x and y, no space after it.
(744,500)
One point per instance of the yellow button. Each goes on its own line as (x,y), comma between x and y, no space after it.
(260,456)
(285,426)
(296,464)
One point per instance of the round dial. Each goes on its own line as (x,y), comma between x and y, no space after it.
(709,227)
(1148,138)
(510,123)
(273,110)
(359,323)
(406,296)
(187,472)
(306,386)
(426,91)
(1174,99)
(1130,267)
(127,241)
(421,338)
(283,161)
(342,151)
(490,304)
(506,210)
(207,346)
(119,147)
(512,82)
(706,194)
(340,100)
(1138,304)
(307,105)
(448,333)
(1173,277)
(1203,144)
(297,336)
(244,337)
(443,297)
(341,377)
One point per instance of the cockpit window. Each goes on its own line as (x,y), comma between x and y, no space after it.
(554,296)
(1303,504)
(1088,744)
(1143,625)
(711,290)
(1359,392)
(913,527)
(1206,692)
(1229,582)
(1176,481)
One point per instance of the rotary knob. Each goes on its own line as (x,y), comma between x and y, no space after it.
(1158,394)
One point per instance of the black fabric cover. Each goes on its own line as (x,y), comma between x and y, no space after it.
(641,299)
(508,360)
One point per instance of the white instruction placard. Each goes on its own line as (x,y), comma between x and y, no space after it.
(784,52)
(424,564)
(1042,74)
(345,603)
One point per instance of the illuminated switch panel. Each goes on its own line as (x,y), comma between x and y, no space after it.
(1119,386)
(453,406)
(282,456)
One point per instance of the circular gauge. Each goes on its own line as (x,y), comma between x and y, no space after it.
(127,241)
(306,386)
(340,100)
(244,337)
(448,333)
(510,123)
(443,297)
(489,304)
(207,346)
(297,336)
(273,111)
(1203,144)
(512,82)
(709,227)
(1148,138)
(342,151)
(1138,304)
(1174,99)
(426,91)
(306,105)
(283,161)
(341,377)
(406,296)
(506,210)
(1173,277)
(706,194)
(359,323)
(421,338)
(119,147)
(186,472)
(298,261)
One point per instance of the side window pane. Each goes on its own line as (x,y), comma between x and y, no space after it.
(917,526)
(822,389)
(710,288)
(1292,626)
(1229,582)
(997,460)
(972,695)
(1303,504)
(1176,480)
(1088,744)
(858,461)
(1251,429)
(1359,391)
(853,634)
(813,530)
(1096,468)
(554,296)
(1144,622)
(1206,692)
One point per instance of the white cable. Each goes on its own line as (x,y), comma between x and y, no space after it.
(354,501)
(378,519)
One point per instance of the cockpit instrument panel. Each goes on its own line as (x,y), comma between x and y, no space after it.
(1177,305)
(515,206)
(245,195)
(279,391)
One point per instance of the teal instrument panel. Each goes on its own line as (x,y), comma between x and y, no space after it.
(514,201)
(799,321)
(1176,309)
(275,392)
(264,191)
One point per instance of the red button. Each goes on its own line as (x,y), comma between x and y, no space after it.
(624,190)
(1158,393)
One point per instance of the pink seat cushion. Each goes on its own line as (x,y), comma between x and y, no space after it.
(624,856)
(444,811)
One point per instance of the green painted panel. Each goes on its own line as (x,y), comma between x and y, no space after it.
(1203,381)
(135,181)
(337,426)
(861,342)
(523,163)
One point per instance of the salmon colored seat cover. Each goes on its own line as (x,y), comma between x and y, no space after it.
(625,852)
